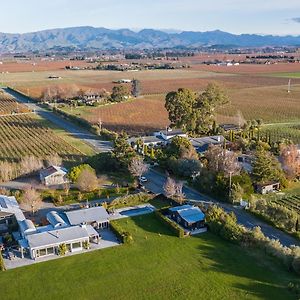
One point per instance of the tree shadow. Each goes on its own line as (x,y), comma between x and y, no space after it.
(268,279)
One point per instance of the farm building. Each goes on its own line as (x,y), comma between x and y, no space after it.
(95,216)
(267,188)
(53,175)
(188,216)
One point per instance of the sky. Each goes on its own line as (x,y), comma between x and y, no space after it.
(237,16)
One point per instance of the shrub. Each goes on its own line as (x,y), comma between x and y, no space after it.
(62,249)
(2,266)
(76,171)
(171,224)
(124,236)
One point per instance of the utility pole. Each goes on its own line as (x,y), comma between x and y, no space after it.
(289,86)
(230,175)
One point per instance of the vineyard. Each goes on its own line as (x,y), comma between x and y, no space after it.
(291,202)
(9,105)
(25,135)
(277,133)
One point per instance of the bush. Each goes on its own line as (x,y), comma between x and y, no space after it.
(171,224)
(76,171)
(2,266)
(62,249)
(124,236)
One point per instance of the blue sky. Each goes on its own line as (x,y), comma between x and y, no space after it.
(236,16)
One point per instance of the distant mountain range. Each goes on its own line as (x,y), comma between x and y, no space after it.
(88,38)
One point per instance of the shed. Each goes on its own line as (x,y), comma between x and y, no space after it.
(267,188)
(53,175)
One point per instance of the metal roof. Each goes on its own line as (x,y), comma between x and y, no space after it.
(55,219)
(202,144)
(57,236)
(189,213)
(87,215)
(52,170)
(11,205)
(26,226)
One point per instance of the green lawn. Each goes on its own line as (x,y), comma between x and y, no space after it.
(286,75)
(156,266)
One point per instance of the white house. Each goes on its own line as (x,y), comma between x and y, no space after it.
(170,133)
(53,175)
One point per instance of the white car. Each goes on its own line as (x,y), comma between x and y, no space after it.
(143,179)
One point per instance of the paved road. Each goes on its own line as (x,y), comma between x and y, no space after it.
(86,136)
(155,184)
(156,180)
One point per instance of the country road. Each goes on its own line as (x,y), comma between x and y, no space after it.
(155,184)
(86,136)
(156,180)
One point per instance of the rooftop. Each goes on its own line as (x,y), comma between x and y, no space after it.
(58,236)
(52,170)
(189,213)
(202,144)
(87,215)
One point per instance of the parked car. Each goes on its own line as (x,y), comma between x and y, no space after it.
(143,179)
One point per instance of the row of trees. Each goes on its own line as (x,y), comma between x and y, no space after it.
(70,92)
(27,166)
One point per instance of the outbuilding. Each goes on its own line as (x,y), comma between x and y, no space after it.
(54,175)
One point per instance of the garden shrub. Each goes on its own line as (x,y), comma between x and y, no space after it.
(124,236)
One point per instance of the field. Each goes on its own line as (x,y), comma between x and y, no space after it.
(24,135)
(257,91)
(156,266)
(279,132)
(9,105)
(291,202)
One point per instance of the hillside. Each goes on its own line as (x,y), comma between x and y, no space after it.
(83,38)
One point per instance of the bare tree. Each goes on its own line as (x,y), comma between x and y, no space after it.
(137,167)
(31,200)
(66,187)
(221,160)
(179,192)
(8,171)
(170,187)
(87,181)
(30,164)
(54,160)
(290,160)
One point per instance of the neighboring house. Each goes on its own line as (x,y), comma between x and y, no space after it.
(188,216)
(267,188)
(170,133)
(95,216)
(10,213)
(246,161)
(53,175)
(201,144)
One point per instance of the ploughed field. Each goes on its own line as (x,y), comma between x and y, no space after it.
(157,265)
(26,135)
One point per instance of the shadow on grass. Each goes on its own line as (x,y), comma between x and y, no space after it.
(268,279)
(150,223)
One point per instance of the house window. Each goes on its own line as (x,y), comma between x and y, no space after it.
(68,247)
(50,250)
(41,252)
(76,245)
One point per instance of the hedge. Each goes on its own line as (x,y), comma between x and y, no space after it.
(171,224)
(124,236)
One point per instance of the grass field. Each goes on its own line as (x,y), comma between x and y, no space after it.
(154,267)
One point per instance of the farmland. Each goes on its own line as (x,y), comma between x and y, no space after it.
(24,135)
(157,265)
(291,202)
(257,91)
(8,105)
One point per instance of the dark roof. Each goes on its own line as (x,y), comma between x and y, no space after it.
(202,144)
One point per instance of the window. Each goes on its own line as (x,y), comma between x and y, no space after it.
(50,250)
(41,252)
(76,245)
(68,247)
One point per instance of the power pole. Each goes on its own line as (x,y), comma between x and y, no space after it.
(289,86)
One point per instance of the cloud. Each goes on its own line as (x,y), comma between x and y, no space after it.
(297,20)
